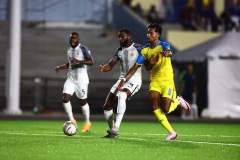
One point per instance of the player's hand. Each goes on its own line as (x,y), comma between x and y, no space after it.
(120,85)
(75,61)
(57,69)
(167,53)
(101,67)
(153,60)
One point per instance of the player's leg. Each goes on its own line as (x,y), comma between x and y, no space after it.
(81,93)
(68,90)
(121,108)
(168,104)
(86,115)
(110,102)
(128,89)
(155,98)
(165,105)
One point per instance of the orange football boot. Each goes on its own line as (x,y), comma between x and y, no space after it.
(86,127)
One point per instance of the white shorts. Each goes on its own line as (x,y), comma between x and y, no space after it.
(132,86)
(80,89)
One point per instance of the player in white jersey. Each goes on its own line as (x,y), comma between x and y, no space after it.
(79,57)
(127,55)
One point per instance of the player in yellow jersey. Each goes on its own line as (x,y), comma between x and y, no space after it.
(156,57)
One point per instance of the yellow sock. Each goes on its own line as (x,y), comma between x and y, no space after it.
(163,120)
(174,105)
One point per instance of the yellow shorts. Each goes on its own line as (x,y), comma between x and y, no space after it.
(166,89)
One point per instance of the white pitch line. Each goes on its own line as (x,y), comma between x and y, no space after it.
(215,143)
(185,135)
(145,134)
(34,134)
(196,142)
(137,139)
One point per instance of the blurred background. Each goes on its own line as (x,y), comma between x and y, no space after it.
(202,33)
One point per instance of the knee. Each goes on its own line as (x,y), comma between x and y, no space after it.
(107,106)
(155,107)
(165,110)
(66,100)
(83,102)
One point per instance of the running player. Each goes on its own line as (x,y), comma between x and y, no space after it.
(79,56)
(127,55)
(162,91)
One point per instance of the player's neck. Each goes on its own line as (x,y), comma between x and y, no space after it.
(128,45)
(153,44)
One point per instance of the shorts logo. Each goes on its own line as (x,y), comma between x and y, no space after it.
(169,91)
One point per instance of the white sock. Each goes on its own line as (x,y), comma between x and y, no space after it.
(109,117)
(86,113)
(121,108)
(68,109)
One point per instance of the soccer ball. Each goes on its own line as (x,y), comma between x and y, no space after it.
(69,128)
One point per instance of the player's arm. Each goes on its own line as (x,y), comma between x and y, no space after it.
(88,61)
(132,70)
(107,67)
(152,61)
(167,53)
(128,75)
(61,67)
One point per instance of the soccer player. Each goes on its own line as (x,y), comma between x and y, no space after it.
(127,55)
(162,93)
(79,57)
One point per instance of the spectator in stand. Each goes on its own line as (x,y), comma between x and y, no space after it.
(187,18)
(169,9)
(139,10)
(127,3)
(233,7)
(152,15)
(228,23)
(209,18)
(215,22)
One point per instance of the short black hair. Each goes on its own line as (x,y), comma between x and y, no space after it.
(125,30)
(157,27)
(74,33)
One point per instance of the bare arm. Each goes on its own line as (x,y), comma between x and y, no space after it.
(152,61)
(107,67)
(61,67)
(87,61)
(128,75)
(167,53)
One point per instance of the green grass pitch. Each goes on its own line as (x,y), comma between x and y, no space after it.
(44,140)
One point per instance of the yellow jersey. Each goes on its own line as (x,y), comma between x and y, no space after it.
(162,71)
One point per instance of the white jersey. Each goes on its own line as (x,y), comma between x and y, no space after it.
(78,73)
(127,57)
